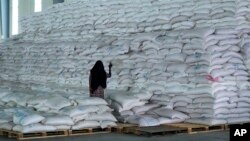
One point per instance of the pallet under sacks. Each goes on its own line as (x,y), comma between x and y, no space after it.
(121,128)
(156,130)
(53,134)
(198,128)
(37,135)
(89,131)
(165,129)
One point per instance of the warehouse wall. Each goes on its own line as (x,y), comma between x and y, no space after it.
(46,4)
(26,8)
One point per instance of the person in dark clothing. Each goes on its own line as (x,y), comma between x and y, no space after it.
(98,79)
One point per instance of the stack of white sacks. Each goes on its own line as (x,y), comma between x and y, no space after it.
(49,112)
(51,54)
(198,71)
(228,76)
(243,28)
(245,46)
(242,16)
(174,71)
(136,109)
(179,81)
(192,78)
(122,17)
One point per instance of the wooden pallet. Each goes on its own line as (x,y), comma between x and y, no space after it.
(198,128)
(38,135)
(124,127)
(89,131)
(158,130)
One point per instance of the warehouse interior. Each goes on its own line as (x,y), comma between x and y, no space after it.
(180,69)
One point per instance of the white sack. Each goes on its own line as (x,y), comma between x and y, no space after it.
(7,125)
(144,108)
(4,92)
(103,109)
(148,121)
(199,90)
(79,110)
(175,58)
(169,113)
(25,117)
(91,101)
(5,117)
(126,113)
(117,107)
(79,117)
(85,124)
(164,120)
(62,127)
(181,68)
(207,121)
(101,117)
(57,102)
(58,120)
(33,128)
(143,95)
(105,124)
(124,100)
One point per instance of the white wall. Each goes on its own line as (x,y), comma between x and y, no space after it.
(46,4)
(26,8)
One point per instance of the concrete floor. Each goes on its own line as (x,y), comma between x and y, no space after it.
(212,136)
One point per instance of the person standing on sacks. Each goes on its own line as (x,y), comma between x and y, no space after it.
(98,79)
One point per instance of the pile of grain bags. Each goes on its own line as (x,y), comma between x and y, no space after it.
(228,76)
(184,62)
(132,108)
(28,120)
(189,79)
(175,71)
(64,55)
(123,103)
(245,46)
(173,66)
(90,112)
(173,15)
(135,108)
(242,16)
(38,112)
(243,29)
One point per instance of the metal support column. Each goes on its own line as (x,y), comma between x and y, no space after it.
(5,18)
(1,33)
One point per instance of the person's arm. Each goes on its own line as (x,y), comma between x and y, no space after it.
(109,74)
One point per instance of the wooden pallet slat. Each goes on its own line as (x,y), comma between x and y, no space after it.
(158,130)
(124,127)
(38,135)
(88,131)
(198,128)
